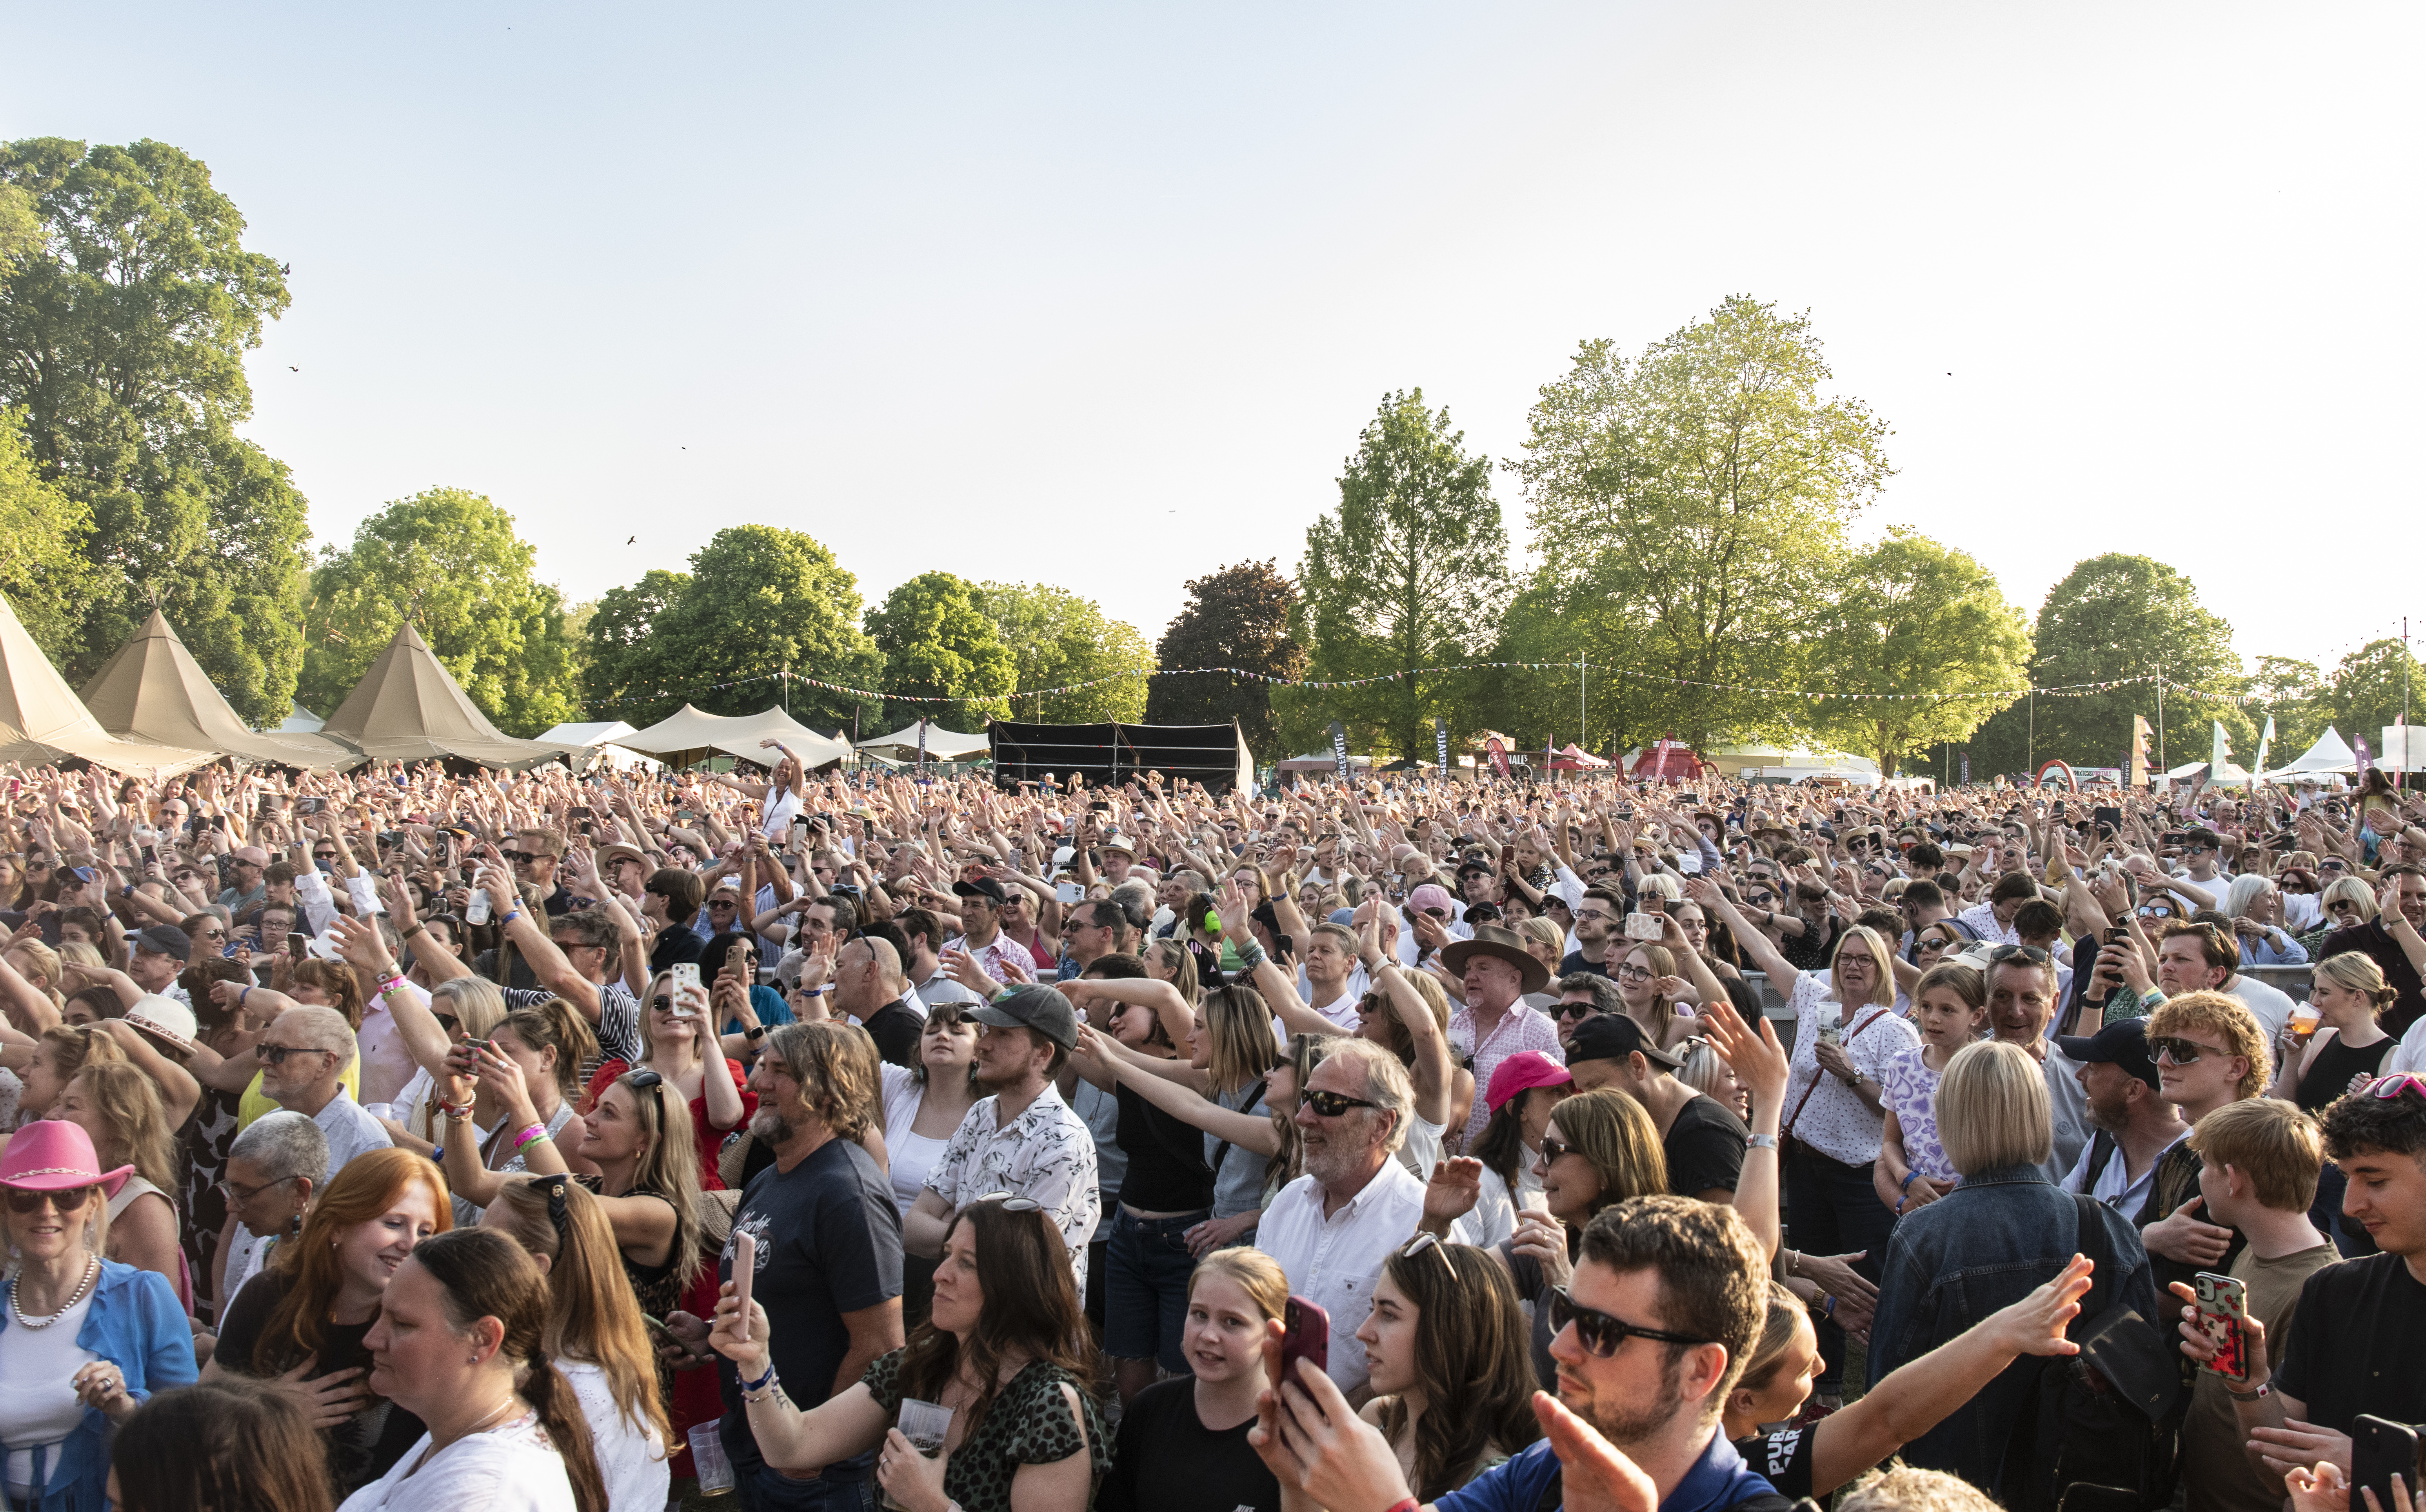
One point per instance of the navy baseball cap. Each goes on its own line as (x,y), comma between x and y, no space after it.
(2123,1043)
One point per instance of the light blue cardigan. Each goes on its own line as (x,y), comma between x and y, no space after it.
(135,1324)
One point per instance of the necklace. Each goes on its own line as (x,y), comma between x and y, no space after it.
(91,1272)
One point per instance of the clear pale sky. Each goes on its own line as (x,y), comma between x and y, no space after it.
(1102,296)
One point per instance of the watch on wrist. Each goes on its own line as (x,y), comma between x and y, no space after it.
(1760,1141)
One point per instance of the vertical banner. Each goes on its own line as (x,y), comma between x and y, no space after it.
(2222,754)
(1339,747)
(1499,755)
(1440,744)
(1967,767)
(922,745)
(2136,777)
(2358,749)
(2257,769)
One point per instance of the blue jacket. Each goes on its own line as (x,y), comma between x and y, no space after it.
(1990,1242)
(1718,1480)
(135,1324)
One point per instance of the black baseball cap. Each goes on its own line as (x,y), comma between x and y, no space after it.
(1614,1036)
(2123,1043)
(1040,1009)
(167,939)
(984,887)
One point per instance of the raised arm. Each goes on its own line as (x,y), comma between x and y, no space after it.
(1431,1072)
(1756,944)
(1247,1130)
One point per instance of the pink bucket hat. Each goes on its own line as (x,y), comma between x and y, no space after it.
(54,1155)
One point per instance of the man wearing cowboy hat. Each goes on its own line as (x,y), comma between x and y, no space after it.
(1493,1023)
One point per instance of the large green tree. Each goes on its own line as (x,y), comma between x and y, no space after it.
(43,570)
(1237,617)
(1058,639)
(1928,625)
(2113,617)
(759,600)
(626,673)
(2293,694)
(1700,496)
(1407,575)
(123,335)
(451,562)
(2367,692)
(938,643)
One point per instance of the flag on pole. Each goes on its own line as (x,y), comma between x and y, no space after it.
(2265,739)
(2223,754)
(1339,747)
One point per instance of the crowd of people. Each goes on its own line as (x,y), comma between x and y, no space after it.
(410,1138)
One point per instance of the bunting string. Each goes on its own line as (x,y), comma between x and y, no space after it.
(2072,690)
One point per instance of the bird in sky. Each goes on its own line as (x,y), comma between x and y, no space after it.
(292,368)
(630,540)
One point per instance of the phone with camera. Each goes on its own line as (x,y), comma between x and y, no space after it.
(684,973)
(1642,925)
(2222,1311)
(2379,1451)
(311,805)
(298,943)
(1306,1334)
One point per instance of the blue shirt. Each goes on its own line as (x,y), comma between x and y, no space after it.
(136,1324)
(1719,1479)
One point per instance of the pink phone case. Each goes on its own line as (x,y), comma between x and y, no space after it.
(2222,1307)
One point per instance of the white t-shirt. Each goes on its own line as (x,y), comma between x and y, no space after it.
(2269,1005)
(912,1156)
(36,1400)
(632,1461)
(512,1468)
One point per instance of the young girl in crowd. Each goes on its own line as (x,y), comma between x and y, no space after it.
(1951,1008)
(1183,1442)
(922,1109)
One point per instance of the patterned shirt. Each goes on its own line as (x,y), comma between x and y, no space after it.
(992,956)
(1520,1028)
(1046,1154)
(1821,1111)
(1906,1088)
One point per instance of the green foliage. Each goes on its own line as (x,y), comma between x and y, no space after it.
(43,530)
(1237,617)
(1915,617)
(1408,573)
(122,335)
(2296,697)
(452,562)
(1690,514)
(761,599)
(2114,617)
(2366,694)
(625,665)
(1057,639)
(937,641)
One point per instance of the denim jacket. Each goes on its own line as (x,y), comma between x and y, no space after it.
(135,1324)
(1990,1242)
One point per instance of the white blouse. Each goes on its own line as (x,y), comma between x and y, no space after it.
(1821,1110)
(632,1462)
(512,1468)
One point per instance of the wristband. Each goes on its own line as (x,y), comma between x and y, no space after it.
(1907,1181)
(2256,1394)
(455,1115)
(763,1381)
(1408,1504)
(535,1132)
(391,983)
(242,995)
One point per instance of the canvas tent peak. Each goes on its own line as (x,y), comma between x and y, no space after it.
(2330,754)
(153,690)
(42,720)
(942,745)
(409,708)
(690,734)
(301,722)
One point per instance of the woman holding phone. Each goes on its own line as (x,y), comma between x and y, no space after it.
(682,1048)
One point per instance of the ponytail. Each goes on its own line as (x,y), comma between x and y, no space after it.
(559,1413)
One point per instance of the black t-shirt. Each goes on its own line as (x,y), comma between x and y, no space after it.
(1165,1461)
(896,1030)
(829,1243)
(2329,1075)
(1166,1170)
(1576,962)
(2354,1344)
(676,944)
(1783,1458)
(1705,1147)
(364,1447)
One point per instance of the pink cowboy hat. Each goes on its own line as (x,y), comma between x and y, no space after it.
(54,1155)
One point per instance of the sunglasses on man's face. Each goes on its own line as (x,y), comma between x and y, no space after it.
(2179,1051)
(518,856)
(1600,1333)
(1336,1104)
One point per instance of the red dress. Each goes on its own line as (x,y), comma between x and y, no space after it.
(697,1398)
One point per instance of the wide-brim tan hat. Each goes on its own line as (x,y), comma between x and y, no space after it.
(1501,944)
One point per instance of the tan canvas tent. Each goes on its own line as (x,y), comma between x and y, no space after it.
(942,745)
(153,690)
(407,708)
(42,721)
(689,735)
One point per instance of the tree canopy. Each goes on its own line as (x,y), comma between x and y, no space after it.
(451,561)
(1409,572)
(1058,639)
(43,570)
(123,334)
(937,643)
(1236,617)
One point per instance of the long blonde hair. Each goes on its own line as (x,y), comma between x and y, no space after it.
(1239,1032)
(138,1125)
(593,1317)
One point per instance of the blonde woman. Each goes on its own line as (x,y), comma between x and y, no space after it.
(465,1007)
(680,1028)
(2348,1048)
(1547,943)
(1179,1447)
(2345,904)
(117,1106)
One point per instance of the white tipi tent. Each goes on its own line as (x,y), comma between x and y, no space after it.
(2331,753)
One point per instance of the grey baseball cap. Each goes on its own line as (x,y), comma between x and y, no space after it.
(1040,1009)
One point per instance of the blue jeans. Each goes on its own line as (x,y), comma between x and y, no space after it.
(1145,1296)
(764,1489)
(1832,1210)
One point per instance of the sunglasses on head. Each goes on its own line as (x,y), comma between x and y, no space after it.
(1601,1334)
(69,1201)
(2392,1086)
(1336,1104)
(1011,1203)
(642,1081)
(2029,953)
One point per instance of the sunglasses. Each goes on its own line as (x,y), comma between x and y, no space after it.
(448,1022)
(69,1201)
(1577,1010)
(518,856)
(1014,1204)
(2180,1052)
(2392,1086)
(276,1055)
(1598,1332)
(1336,1104)
(2029,953)
(642,1081)
(1553,1148)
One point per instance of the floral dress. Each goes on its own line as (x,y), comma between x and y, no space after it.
(1905,1088)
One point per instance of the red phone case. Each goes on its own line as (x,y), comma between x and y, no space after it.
(1306,1334)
